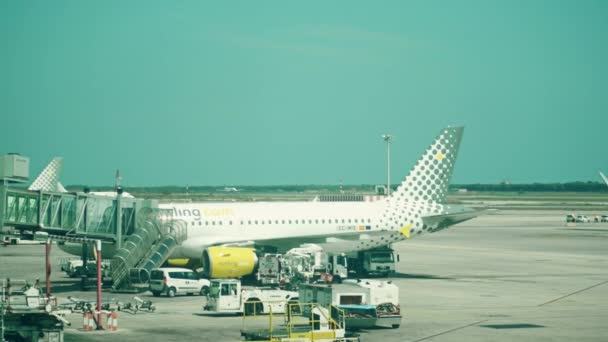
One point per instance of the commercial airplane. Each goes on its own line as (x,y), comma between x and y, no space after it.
(224,235)
(604,178)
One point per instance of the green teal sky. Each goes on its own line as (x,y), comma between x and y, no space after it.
(286,92)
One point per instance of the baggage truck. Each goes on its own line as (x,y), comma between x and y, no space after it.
(356,297)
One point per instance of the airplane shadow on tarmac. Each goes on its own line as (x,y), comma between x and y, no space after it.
(417,276)
(72,285)
(213,314)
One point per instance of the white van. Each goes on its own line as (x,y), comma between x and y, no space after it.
(174,281)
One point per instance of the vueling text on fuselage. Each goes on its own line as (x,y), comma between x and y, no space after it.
(196,213)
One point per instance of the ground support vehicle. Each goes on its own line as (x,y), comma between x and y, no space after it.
(174,281)
(228,296)
(27,315)
(73,268)
(355,297)
(301,265)
(318,324)
(379,262)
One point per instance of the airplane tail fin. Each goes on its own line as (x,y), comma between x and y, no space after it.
(429,179)
(48,179)
(604,178)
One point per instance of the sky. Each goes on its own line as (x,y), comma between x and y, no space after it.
(286,92)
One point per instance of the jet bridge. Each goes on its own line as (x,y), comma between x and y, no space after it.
(142,235)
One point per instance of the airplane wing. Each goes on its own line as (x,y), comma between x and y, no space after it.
(604,178)
(345,242)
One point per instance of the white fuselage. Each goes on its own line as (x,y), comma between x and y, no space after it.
(220,223)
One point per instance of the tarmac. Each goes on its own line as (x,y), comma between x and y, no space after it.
(515,275)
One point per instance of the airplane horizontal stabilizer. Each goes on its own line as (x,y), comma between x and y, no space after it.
(451,216)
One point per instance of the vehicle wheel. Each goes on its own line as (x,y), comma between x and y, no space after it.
(396,326)
(155,293)
(204,290)
(171,292)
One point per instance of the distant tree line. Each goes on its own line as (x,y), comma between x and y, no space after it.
(362,188)
(535,187)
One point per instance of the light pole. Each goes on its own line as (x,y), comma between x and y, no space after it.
(388,138)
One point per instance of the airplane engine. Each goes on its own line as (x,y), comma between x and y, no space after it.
(228,262)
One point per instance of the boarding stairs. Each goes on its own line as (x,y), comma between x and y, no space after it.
(152,242)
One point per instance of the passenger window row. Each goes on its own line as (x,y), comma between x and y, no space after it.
(309,221)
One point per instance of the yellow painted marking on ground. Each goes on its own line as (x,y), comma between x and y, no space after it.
(406,230)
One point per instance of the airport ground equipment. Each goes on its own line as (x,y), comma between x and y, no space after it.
(79,305)
(228,296)
(379,262)
(148,247)
(137,305)
(174,280)
(301,265)
(301,322)
(354,296)
(27,315)
(73,268)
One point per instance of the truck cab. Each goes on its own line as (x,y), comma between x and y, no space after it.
(379,261)
(337,266)
(224,296)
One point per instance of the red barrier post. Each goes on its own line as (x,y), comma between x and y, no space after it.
(48,268)
(98,248)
